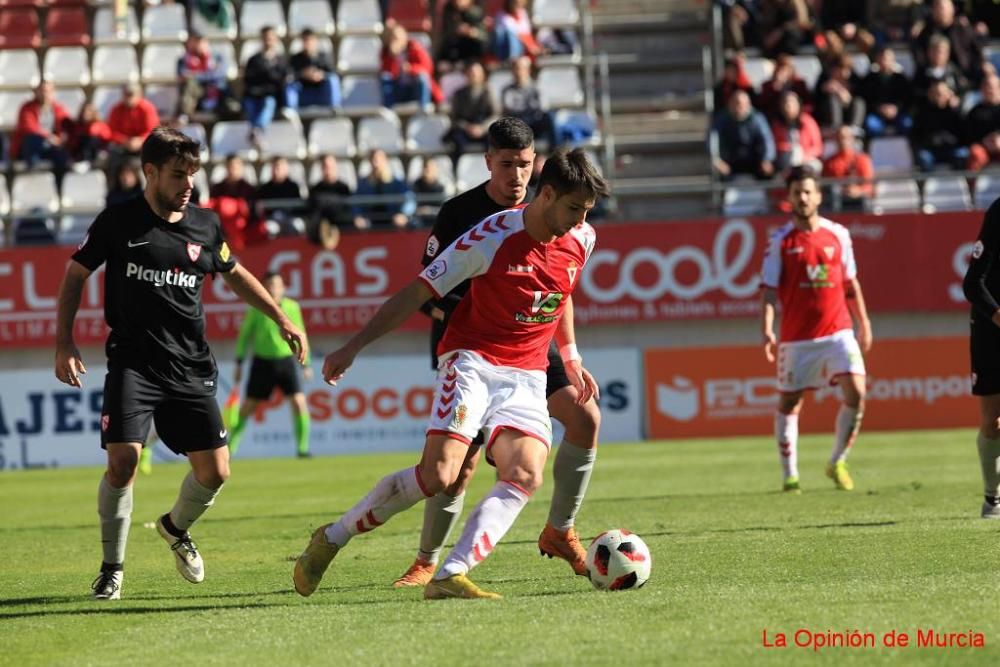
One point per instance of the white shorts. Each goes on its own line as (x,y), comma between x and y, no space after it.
(472,394)
(811,364)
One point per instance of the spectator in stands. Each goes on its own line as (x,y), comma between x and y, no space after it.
(734,78)
(131,120)
(966,51)
(983,126)
(275,200)
(463,33)
(430,193)
(329,211)
(42,130)
(784,26)
(887,94)
(315,84)
(395,210)
(745,142)
(202,75)
(739,24)
(407,70)
(985,16)
(939,67)
(844,22)
(895,20)
(513,34)
(784,79)
(88,140)
(797,139)
(849,162)
(234,200)
(264,79)
(938,136)
(472,108)
(126,183)
(521,99)
(838,99)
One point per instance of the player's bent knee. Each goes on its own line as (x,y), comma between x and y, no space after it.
(526,478)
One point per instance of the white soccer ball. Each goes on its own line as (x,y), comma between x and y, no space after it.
(618,560)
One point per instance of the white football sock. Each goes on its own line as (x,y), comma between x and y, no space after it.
(487,524)
(393,494)
(571,473)
(114,506)
(989,459)
(786,430)
(192,501)
(441,513)
(845,431)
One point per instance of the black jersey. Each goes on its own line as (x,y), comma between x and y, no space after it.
(152,290)
(982,279)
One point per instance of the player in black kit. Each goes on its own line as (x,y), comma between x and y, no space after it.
(982,289)
(509,158)
(157,251)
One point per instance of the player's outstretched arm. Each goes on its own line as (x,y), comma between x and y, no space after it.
(768,302)
(248,288)
(856,304)
(69,365)
(390,315)
(581,379)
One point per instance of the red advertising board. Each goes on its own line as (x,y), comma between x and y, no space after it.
(728,391)
(640,272)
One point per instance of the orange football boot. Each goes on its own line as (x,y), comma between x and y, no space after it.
(556,544)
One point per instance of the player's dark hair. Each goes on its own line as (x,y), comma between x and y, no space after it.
(271,274)
(165,144)
(571,171)
(798,174)
(509,133)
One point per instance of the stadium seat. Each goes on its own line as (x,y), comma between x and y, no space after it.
(891,155)
(894,196)
(202,186)
(284,138)
(159,63)
(219,173)
(446,171)
(314,14)
(451,82)
(19,28)
(105,31)
(345,172)
(10,105)
(809,69)
(758,70)
(946,193)
(255,14)
(251,47)
(580,118)
(105,97)
(361,95)
(560,87)
(67,26)
(414,15)
(359,53)
(423,133)
(114,64)
(987,190)
(499,79)
(165,23)
(67,66)
(212,30)
(296,172)
(34,192)
(740,201)
(554,13)
(227,52)
(382,131)
(332,136)
(4,198)
(84,192)
(471,171)
(164,97)
(359,16)
(197,132)
(72,98)
(395,164)
(323,45)
(19,69)
(232,136)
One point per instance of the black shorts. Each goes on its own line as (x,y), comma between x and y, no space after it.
(555,376)
(266,374)
(984,348)
(184,422)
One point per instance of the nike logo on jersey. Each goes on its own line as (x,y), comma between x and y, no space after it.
(136,245)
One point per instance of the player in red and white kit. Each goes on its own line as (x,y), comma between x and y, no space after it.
(809,268)
(523,265)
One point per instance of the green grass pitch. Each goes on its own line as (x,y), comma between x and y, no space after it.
(732,558)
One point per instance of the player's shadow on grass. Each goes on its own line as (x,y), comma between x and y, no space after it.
(67,599)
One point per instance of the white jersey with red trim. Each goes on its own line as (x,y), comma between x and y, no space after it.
(518,290)
(810,270)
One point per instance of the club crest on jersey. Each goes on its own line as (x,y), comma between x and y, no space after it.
(571,270)
(460,412)
(829,251)
(194,251)
(436,270)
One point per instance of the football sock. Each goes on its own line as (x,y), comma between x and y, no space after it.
(487,524)
(571,472)
(989,460)
(192,501)
(302,432)
(393,494)
(114,506)
(786,430)
(441,513)
(846,429)
(236,433)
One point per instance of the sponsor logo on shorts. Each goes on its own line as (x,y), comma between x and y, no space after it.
(977,250)
(105,419)
(160,277)
(194,251)
(436,270)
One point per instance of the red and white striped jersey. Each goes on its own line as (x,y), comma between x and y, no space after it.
(810,271)
(519,288)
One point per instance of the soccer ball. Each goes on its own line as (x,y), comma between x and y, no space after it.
(618,560)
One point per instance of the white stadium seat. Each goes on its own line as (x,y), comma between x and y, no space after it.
(987,190)
(358,54)
(345,172)
(33,192)
(314,14)
(256,14)
(159,63)
(19,68)
(164,23)
(446,171)
(84,192)
(382,131)
(740,201)
(554,13)
(332,136)
(115,64)
(10,105)
(284,138)
(560,87)
(423,133)
(164,97)
(359,16)
(72,99)
(895,196)
(105,31)
(67,66)
(232,136)
(891,155)
(946,193)
(361,95)
(105,97)
(471,171)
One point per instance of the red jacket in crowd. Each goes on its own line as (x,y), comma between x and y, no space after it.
(420,63)
(28,124)
(127,122)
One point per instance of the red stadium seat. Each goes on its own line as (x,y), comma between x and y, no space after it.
(67,26)
(67,3)
(19,29)
(21,3)
(414,15)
